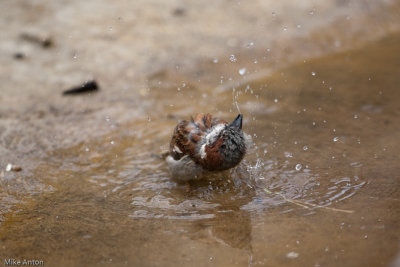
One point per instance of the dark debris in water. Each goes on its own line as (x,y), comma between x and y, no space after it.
(179,12)
(44,41)
(87,87)
(19,56)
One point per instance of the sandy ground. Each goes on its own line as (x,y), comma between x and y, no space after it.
(121,44)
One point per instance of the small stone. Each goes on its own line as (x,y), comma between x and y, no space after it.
(19,55)
(15,168)
(178,12)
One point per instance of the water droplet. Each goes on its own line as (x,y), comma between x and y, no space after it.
(298,167)
(288,154)
(313,123)
(268,49)
(87,149)
(313,73)
(215,60)
(232,58)
(355,116)
(75,56)
(298,26)
(305,148)
(284,28)
(335,139)
(311,12)
(242,71)
(365,237)
(9,167)
(112,142)
(276,100)
(292,255)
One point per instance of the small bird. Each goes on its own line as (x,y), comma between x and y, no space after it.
(205,144)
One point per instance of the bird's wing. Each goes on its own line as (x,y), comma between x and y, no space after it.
(181,144)
(188,134)
(206,121)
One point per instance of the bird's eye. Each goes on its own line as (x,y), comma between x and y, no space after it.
(223,146)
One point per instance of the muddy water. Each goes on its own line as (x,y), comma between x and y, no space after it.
(319,186)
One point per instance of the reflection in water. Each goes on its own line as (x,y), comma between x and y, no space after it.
(318,143)
(232,228)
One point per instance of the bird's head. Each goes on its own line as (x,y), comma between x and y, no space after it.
(223,146)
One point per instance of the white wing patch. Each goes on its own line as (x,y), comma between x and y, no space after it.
(176,149)
(211,137)
(203,153)
(215,131)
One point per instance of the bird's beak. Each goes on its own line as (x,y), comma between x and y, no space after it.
(237,123)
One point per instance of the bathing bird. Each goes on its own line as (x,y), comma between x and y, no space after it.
(205,144)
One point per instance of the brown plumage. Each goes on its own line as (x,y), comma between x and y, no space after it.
(189,133)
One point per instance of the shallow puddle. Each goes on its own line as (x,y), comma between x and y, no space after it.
(319,186)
